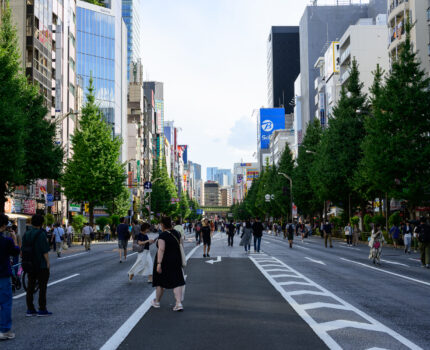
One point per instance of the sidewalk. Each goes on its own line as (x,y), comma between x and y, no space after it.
(228,305)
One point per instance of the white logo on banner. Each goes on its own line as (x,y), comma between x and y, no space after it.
(267,125)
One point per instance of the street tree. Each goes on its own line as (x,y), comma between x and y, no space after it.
(305,197)
(340,151)
(397,147)
(163,190)
(282,184)
(120,205)
(183,210)
(94,173)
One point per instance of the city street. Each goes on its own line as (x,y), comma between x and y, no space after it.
(308,297)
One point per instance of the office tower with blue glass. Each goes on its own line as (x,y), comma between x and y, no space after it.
(101,53)
(131,15)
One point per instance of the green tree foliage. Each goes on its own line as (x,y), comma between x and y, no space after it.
(163,190)
(78,223)
(282,184)
(340,151)
(27,144)
(397,146)
(94,173)
(184,205)
(119,205)
(305,195)
(102,221)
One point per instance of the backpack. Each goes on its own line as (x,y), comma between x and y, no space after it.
(198,228)
(424,234)
(29,262)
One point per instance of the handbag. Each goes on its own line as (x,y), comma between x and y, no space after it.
(181,249)
(376,245)
(137,247)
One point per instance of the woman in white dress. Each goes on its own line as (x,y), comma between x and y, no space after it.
(143,265)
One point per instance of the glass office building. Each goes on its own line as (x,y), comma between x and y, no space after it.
(102,54)
(131,16)
(96,56)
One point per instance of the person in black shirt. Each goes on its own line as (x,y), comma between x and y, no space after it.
(327,234)
(257,229)
(230,233)
(207,235)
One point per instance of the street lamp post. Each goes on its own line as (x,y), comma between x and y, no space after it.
(291,193)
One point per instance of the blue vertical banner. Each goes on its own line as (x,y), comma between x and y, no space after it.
(271,119)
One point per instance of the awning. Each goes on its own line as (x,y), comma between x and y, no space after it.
(18,216)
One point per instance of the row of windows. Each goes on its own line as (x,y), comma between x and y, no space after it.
(95,22)
(98,67)
(104,91)
(94,45)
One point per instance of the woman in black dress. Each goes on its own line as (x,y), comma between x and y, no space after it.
(167,272)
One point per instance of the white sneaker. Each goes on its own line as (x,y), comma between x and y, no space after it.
(155,304)
(7,335)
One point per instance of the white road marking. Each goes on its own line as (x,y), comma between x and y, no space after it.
(346,247)
(49,285)
(322,329)
(218,259)
(118,337)
(131,254)
(71,256)
(388,272)
(394,263)
(315,261)
(415,259)
(299,246)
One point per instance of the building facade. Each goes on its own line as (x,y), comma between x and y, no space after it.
(153,92)
(279,140)
(419,14)
(319,26)
(283,66)
(101,54)
(131,10)
(226,196)
(212,194)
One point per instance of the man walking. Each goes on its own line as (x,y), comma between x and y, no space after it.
(57,238)
(230,233)
(86,235)
(35,246)
(327,234)
(257,229)
(123,237)
(8,247)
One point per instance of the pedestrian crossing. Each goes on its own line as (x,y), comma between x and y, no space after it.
(339,324)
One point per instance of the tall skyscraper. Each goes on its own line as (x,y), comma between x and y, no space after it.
(131,10)
(283,66)
(197,171)
(210,173)
(319,26)
(101,53)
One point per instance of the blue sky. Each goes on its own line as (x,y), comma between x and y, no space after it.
(211,56)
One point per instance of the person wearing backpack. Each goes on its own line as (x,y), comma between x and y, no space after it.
(424,239)
(35,262)
(8,247)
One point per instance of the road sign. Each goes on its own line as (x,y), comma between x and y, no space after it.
(199,211)
(267,197)
(49,197)
(75,207)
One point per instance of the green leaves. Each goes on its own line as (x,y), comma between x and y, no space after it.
(94,173)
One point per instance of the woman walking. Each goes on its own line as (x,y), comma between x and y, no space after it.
(246,237)
(348,234)
(206,235)
(143,265)
(168,273)
(407,237)
(375,244)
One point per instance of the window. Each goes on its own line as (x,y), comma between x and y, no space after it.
(72,89)
(428,14)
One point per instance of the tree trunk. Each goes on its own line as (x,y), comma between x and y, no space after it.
(2,196)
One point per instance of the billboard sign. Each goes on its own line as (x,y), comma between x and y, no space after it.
(331,63)
(271,119)
(252,174)
(239,178)
(245,164)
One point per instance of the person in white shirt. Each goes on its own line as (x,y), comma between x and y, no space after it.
(58,237)
(70,233)
(348,234)
(86,234)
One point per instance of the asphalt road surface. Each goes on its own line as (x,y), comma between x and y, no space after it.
(307,297)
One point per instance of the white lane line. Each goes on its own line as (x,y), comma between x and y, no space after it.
(71,256)
(131,254)
(299,246)
(394,263)
(49,285)
(388,272)
(346,247)
(118,337)
(320,331)
(415,259)
(315,261)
